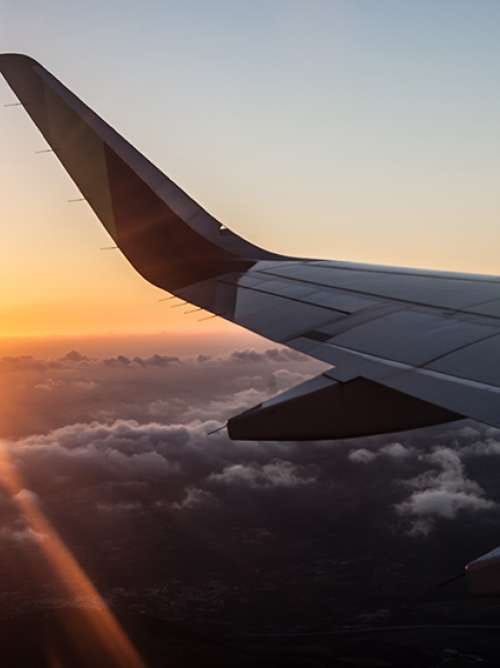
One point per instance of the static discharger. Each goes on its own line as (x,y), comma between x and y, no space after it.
(167,299)
(214,431)
(210,317)
(177,305)
(109,248)
(45,150)
(454,578)
(483,574)
(193,310)
(76,199)
(13,104)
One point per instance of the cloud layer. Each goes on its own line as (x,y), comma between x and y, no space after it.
(119,454)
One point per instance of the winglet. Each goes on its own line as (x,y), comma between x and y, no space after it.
(171,240)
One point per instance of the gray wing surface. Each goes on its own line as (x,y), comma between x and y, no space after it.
(407,348)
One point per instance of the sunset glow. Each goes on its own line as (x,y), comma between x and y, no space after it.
(361,151)
(249,333)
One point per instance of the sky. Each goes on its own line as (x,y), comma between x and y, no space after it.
(348,130)
(352,130)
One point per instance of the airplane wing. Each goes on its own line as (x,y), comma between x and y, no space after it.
(408,348)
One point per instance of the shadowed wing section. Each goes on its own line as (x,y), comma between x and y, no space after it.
(408,347)
(165,234)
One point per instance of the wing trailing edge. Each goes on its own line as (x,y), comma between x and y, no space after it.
(324,409)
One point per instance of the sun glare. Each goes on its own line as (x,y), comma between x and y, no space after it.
(97,631)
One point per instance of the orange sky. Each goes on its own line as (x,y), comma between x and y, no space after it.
(349,153)
(56,280)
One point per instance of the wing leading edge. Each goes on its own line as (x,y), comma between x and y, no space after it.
(165,234)
(402,342)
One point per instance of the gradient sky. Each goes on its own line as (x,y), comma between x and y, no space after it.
(342,129)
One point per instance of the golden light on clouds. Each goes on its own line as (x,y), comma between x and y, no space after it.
(97,632)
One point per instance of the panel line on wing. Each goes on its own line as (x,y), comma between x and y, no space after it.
(458,349)
(281,296)
(402,271)
(377,295)
(391,355)
(397,367)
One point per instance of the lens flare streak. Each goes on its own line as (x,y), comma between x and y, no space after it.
(100,632)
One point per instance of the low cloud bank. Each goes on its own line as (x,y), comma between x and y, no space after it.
(130,435)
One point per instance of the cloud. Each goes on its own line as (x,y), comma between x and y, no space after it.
(283,379)
(52,385)
(193,498)
(84,385)
(443,503)
(467,431)
(219,409)
(74,356)
(156,360)
(128,436)
(122,361)
(21,537)
(421,528)
(272,354)
(275,474)
(100,452)
(120,507)
(47,386)
(26,495)
(26,363)
(482,448)
(361,456)
(118,453)
(395,451)
(451,477)
(77,389)
(443,491)
(118,361)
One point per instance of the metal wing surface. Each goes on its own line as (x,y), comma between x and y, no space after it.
(407,348)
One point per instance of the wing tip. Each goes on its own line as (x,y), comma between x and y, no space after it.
(9,59)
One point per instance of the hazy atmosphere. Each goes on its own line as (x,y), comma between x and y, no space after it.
(359,130)
(207,536)
(350,130)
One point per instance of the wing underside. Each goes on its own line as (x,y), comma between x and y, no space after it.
(407,348)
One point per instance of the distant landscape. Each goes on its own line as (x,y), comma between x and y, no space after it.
(209,549)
